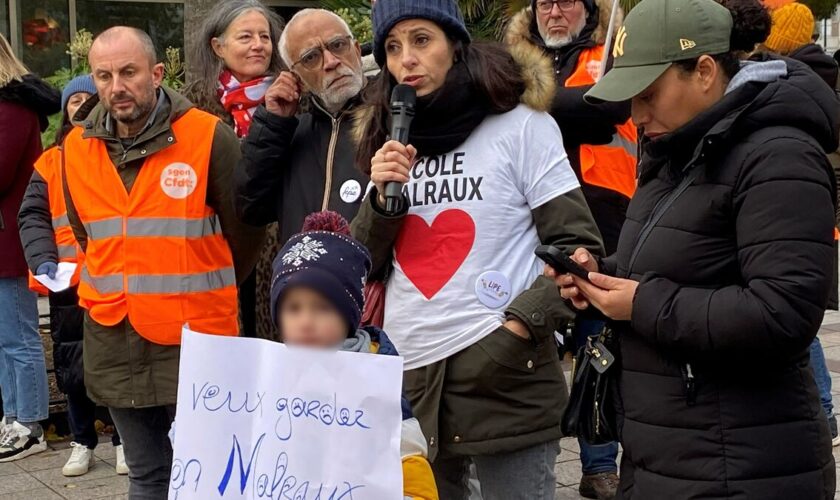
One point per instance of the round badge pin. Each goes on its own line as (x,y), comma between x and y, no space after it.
(493,289)
(351,191)
(178,180)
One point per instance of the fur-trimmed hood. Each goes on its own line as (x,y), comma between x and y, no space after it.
(522,29)
(537,73)
(35,94)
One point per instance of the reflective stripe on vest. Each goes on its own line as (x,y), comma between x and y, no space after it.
(153,227)
(103,284)
(61,221)
(162,283)
(66,252)
(184,283)
(613,165)
(156,255)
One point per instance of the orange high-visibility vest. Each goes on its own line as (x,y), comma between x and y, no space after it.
(156,255)
(48,167)
(611,166)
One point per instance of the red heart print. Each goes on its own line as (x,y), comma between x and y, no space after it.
(431,255)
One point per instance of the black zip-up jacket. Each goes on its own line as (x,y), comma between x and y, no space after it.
(294,166)
(718,396)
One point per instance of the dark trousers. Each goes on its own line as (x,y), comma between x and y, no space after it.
(81,414)
(148,451)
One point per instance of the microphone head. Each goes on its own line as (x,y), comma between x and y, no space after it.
(403,95)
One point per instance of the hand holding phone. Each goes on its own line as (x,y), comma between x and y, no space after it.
(561,262)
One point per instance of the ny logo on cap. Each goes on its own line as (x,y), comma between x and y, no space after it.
(687,44)
(620,38)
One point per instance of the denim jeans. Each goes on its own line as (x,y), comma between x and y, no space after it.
(81,415)
(521,475)
(822,376)
(23,372)
(601,458)
(148,450)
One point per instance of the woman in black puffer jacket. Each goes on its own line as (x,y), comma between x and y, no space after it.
(717,293)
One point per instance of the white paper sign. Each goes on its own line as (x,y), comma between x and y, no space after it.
(62,278)
(257,419)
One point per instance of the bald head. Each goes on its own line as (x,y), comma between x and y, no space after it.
(126,74)
(129,35)
(301,24)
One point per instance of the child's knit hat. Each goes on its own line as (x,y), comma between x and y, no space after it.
(325,258)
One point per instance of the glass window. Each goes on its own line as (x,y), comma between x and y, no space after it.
(164,22)
(4,19)
(44,35)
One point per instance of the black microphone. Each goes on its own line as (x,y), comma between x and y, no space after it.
(403,99)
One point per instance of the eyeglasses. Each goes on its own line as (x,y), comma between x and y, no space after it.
(313,58)
(545,6)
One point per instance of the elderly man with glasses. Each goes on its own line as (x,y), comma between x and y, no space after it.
(600,140)
(299,155)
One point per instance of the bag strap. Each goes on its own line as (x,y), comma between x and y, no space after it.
(659,211)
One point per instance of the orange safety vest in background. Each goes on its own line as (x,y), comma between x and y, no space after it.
(611,166)
(156,255)
(48,167)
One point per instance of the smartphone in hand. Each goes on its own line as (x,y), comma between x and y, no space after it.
(561,262)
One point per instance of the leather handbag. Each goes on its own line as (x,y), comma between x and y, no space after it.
(590,414)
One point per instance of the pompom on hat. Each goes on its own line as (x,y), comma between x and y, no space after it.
(325,258)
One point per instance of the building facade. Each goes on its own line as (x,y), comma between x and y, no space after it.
(39,30)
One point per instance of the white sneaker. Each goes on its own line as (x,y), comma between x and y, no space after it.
(4,428)
(122,468)
(18,443)
(80,462)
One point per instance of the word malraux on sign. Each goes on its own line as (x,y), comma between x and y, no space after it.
(257,419)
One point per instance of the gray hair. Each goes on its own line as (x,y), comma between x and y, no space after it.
(283,44)
(145,40)
(207,64)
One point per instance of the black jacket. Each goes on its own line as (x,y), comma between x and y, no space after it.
(288,163)
(718,399)
(580,122)
(35,223)
(66,317)
(823,64)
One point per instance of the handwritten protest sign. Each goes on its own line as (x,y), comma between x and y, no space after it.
(257,419)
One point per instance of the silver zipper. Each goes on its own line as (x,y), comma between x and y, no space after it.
(597,419)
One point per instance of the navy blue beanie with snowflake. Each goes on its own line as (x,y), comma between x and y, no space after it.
(325,258)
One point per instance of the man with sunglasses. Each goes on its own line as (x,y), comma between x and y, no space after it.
(600,141)
(299,155)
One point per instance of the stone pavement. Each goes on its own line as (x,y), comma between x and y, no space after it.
(39,477)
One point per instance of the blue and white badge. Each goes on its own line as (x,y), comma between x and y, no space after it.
(351,191)
(493,289)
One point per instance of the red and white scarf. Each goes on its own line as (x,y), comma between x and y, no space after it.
(241,99)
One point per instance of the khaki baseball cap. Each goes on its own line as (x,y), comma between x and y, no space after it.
(656,34)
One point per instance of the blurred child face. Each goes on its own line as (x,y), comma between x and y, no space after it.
(75,102)
(309,319)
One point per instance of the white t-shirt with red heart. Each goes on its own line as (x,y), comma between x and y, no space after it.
(466,247)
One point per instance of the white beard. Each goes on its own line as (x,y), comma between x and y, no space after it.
(334,100)
(557,42)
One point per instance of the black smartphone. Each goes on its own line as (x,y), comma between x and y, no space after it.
(561,262)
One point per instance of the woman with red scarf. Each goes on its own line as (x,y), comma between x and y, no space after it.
(236,59)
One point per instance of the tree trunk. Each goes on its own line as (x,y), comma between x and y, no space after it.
(194,13)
